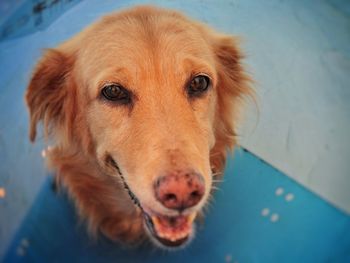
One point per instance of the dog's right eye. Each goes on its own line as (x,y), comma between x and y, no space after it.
(198,86)
(115,92)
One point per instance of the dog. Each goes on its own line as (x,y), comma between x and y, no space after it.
(142,106)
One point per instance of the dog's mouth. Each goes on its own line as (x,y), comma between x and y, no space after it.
(170,231)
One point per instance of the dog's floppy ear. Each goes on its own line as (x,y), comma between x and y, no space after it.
(232,87)
(50,95)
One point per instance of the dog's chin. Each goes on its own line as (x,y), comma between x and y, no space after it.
(167,232)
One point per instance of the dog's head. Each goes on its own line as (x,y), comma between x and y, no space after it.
(153,97)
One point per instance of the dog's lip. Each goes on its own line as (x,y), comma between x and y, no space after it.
(171,231)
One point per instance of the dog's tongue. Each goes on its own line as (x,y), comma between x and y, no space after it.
(178,222)
(173,228)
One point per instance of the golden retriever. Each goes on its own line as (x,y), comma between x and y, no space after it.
(142,107)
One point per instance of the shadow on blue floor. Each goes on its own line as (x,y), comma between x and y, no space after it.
(304,229)
(32,16)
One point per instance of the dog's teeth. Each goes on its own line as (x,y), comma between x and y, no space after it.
(161,235)
(173,234)
(184,234)
(179,236)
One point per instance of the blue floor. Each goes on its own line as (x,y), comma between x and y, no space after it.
(259,215)
(252,219)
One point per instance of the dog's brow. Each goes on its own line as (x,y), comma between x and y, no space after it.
(197,66)
(115,75)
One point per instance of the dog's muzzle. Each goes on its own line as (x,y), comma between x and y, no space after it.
(166,231)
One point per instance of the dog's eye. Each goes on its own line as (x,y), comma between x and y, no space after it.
(115,92)
(198,86)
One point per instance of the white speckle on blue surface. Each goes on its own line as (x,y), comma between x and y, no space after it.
(25,243)
(265,212)
(21,251)
(289,197)
(279,191)
(274,217)
(228,258)
(43,153)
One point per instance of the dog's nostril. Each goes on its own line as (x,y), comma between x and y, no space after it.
(170,197)
(195,195)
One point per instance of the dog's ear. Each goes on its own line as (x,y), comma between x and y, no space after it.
(50,95)
(232,87)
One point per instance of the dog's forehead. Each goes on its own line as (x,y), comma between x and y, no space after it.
(142,47)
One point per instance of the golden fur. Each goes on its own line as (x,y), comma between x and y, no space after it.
(153,52)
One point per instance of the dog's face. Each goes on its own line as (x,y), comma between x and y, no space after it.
(151,112)
(151,96)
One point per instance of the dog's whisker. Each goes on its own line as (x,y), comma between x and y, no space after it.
(216,188)
(208,205)
(217,174)
(217,181)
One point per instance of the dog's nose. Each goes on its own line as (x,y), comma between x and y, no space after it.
(180,190)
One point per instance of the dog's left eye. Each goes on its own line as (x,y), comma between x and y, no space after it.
(198,86)
(117,93)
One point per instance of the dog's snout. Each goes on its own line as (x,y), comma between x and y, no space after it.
(180,190)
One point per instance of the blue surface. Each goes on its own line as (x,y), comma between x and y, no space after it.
(308,229)
(38,226)
(32,16)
